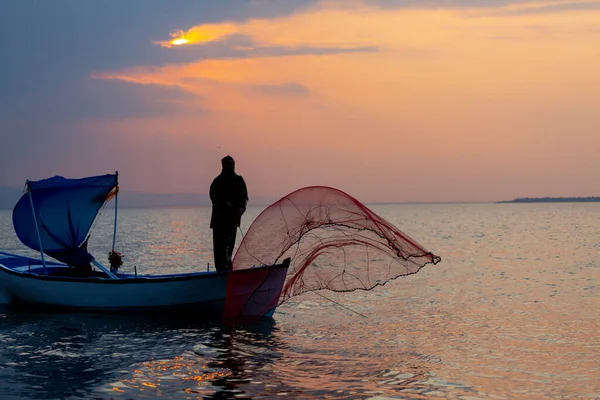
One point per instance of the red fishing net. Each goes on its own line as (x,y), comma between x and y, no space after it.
(334,242)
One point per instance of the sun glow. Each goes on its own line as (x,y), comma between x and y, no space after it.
(178,38)
(200,34)
(179,41)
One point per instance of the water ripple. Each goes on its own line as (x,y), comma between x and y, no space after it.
(511,312)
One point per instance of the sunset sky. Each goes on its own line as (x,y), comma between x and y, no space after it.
(389,100)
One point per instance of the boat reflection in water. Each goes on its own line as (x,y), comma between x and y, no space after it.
(82,355)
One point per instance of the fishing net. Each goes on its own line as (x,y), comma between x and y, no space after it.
(333,242)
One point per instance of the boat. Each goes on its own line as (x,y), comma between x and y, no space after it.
(54,216)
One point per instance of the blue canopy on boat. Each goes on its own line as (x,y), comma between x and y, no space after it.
(65,210)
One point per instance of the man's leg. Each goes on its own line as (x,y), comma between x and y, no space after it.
(231,233)
(220,249)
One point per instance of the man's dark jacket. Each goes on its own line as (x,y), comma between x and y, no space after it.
(228,187)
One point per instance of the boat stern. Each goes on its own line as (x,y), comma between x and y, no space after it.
(254,293)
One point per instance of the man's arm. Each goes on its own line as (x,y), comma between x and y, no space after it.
(216,193)
(244,192)
(243,195)
(213,192)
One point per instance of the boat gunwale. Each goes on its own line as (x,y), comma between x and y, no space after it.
(139,279)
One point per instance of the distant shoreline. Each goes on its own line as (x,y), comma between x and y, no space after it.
(591,199)
(138,200)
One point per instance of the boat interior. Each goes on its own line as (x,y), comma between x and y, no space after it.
(35,266)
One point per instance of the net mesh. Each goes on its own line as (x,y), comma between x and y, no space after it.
(334,242)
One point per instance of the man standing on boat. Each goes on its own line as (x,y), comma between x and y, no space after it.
(229,197)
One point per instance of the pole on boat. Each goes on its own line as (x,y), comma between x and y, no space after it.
(104,269)
(116,208)
(37,228)
(94,261)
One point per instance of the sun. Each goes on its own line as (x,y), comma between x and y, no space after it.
(179,41)
(199,34)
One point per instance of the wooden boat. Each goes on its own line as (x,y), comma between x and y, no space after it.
(54,217)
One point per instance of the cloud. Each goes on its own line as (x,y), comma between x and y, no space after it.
(504,38)
(227,41)
(49,48)
(215,94)
(101,100)
(434,4)
(286,89)
(238,46)
(199,34)
(539,9)
(477,8)
(429,4)
(580,29)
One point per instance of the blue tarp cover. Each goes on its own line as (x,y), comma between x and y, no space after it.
(65,210)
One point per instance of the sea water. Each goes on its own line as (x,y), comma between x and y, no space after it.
(510,312)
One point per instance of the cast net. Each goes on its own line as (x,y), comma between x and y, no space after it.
(333,242)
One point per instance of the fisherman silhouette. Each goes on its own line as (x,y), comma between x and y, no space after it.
(229,197)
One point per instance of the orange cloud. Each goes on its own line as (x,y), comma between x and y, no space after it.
(199,34)
(451,93)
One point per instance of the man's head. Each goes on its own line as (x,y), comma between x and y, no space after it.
(228,163)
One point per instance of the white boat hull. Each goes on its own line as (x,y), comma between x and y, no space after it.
(202,293)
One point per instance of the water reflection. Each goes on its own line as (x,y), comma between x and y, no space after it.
(87,355)
(221,364)
(75,355)
(351,357)
(510,313)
